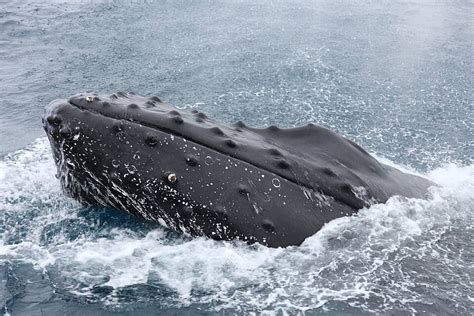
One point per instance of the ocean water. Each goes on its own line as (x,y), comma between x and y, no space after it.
(394,76)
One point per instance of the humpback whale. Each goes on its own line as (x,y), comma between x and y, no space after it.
(194,174)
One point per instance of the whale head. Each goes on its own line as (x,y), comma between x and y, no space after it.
(203,177)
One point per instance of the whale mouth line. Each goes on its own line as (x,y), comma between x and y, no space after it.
(177,134)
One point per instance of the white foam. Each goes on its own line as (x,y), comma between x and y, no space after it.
(350,260)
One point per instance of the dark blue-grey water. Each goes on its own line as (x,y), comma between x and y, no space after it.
(395,76)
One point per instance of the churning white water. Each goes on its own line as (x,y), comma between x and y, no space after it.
(404,255)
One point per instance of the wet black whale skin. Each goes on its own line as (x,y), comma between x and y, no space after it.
(273,186)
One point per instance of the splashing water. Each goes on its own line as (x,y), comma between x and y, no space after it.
(396,77)
(403,256)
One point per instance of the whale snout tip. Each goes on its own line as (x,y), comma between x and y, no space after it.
(57,118)
(51,117)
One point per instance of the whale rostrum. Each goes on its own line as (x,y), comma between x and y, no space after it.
(191,173)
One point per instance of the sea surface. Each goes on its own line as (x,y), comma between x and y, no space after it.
(394,76)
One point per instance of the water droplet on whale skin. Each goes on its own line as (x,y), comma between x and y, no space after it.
(208,160)
(276,182)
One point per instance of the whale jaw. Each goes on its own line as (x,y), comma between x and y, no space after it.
(205,178)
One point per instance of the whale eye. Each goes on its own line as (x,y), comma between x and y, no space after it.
(171,177)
